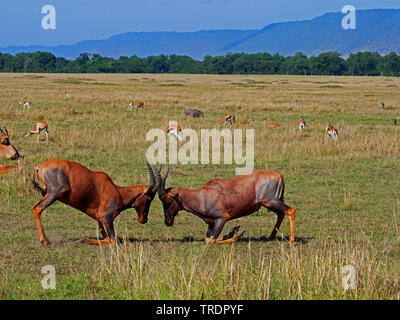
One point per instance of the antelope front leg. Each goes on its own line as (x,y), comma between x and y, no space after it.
(214,230)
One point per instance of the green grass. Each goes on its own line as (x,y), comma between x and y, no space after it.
(346,195)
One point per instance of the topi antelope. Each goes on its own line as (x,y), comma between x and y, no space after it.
(302,124)
(220,201)
(26,104)
(40,126)
(7,150)
(4,137)
(130,105)
(5,169)
(194,113)
(93,193)
(271,124)
(383,106)
(332,132)
(174,130)
(227,118)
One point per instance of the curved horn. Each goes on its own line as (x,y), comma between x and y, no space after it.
(1,131)
(164,179)
(151,174)
(5,129)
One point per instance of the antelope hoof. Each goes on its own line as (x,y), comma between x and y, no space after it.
(45,242)
(237,236)
(232,234)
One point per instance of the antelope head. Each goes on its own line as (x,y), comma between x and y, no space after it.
(4,137)
(143,202)
(169,199)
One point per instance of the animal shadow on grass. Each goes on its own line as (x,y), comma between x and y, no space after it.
(186,239)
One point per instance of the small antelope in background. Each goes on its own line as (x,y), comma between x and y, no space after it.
(220,201)
(8,169)
(93,193)
(332,132)
(227,118)
(174,130)
(314,124)
(383,106)
(67,110)
(243,123)
(67,94)
(26,104)
(140,106)
(131,105)
(302,125)
(271,124)
(40,126)
(194,113)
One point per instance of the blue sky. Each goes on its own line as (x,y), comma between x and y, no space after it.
(20,20)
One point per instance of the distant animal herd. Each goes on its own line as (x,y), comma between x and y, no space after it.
(95,194)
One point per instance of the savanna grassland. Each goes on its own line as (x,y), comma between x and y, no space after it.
(346,195)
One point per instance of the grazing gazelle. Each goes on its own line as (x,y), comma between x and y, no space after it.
(5,169)
(40,126)
(131,105)
(26,104)
(220,201)
(271,124)
(174,130)
(140,106)
(227,118)
(302,124)
(332,132)
(93,193)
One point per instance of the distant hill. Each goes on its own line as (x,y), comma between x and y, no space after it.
(377,30)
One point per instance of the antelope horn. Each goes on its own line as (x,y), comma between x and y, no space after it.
(164,179)
(151,174)
(5,129)
(1,130)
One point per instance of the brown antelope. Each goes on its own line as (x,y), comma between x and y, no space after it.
(5,169)
(220,201)
(227,118)
(302,124)
(26,104)
(243,123)
(4,137)
(332,132)
(194,113)
(271,124)
(174,130)
(7,150)
(93,193)
(140,106)
(40,126)
(382,106)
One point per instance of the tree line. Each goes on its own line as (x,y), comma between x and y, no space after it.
(329,63)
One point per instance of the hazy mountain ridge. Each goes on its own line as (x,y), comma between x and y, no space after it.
(377,30)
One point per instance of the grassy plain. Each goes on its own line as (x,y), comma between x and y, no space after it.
(346,195)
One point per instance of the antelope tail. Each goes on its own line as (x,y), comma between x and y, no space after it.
(35,184)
